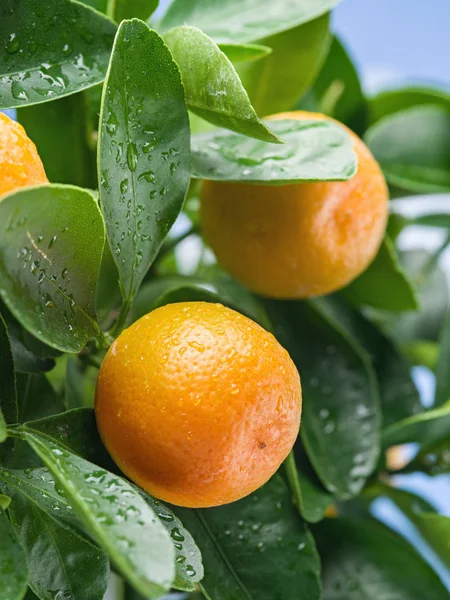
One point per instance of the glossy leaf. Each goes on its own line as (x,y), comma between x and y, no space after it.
(50,49)
(127,9)
(384,284)
(442,393)
(256,548)
(398,394)
(337,90)
(213,88)
(340,417)
(115,515)
(393,101)
(13,563)
(363,559)
(73,567)
(188,560)
(51,244)
(226,156)
(143,159)
(244,52)
(412,149)
(8,398)
(273,85)
(428,428)
(244,21)
(64,147)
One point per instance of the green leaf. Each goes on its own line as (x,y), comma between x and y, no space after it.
(36,397)
(115,515)
(54,49)
(427,429)
(13,563)
(442,393)
(384,284)
(244,21)
(412,149)
(127,9)
(8,397)
(51,245)
(363,559)
(64,147)
(393,101)
(225,156)
(273,85)
(80,383)
(337,90)
(213,88)
(143,159)
(73,567)
(432,220)
(398,394)
(188,560)
(257,548)
(5,501)
(100,5)
(340,418)
(245,52)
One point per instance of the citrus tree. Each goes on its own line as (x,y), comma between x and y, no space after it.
(148,128)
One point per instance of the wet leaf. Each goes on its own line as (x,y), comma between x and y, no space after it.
(244,52)
(50,49)
(51,245)
(115,515)
(8,397)
(384,284)
(13,563)
(143,158)
(341,416)
(244,21)
(412,149)
(225,156)
(363,559)
(213,88)
(257,548)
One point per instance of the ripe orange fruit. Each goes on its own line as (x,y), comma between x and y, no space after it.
(302,240)
(198,404)
(20,164)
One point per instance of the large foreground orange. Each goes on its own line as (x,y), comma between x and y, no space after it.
(198,404)
(20,164)
(302,240)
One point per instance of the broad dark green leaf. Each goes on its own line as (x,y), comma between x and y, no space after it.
(36,397)
(244,52)
(341,415)
(127,9)
(276,83)
(363,559)
(64,147)
(442,393)
(13,563)
(384,284)
(61,563)
(257,548)
(225,156)
(51,244)
(412,149)
(143,159)
(115,515)
(427,428)
(80,383)
(213,88)
(50,49)
(100,5)
(188,560)
(398,394)
(237,21)
(8,397)
(337,90)
(393,101)
(430,281)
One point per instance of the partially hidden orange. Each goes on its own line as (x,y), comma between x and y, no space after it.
(20,164)
(198,404)
(302,240)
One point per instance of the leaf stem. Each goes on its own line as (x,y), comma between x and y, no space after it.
(294,483)
(121,319)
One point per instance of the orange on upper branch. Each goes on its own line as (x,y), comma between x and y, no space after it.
(302,240)
(20,164)
(198,404)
